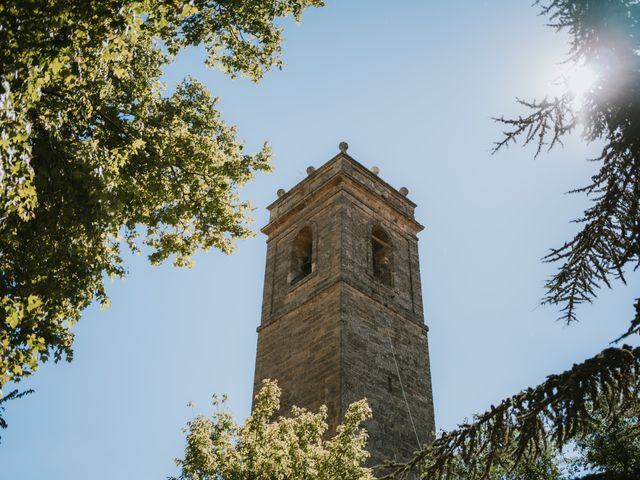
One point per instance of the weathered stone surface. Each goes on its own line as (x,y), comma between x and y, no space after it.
(336,335)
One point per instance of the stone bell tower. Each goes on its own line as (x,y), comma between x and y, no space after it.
(342,315)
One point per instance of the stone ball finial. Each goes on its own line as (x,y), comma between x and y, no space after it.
(310,170)
(280,192)
(404,191)
(344,146)
(375,170)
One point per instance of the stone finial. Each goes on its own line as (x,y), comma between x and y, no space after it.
(404,191)
(344,146)
(310,170)
(280,192)
(375,170)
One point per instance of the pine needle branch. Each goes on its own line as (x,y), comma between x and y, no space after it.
(552,414)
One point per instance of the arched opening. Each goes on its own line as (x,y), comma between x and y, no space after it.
(302,255)
(381,253)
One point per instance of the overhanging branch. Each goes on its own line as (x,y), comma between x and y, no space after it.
(558,411)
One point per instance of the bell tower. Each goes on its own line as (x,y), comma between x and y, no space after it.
(342,314)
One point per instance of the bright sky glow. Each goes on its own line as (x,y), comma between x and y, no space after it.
(580,81)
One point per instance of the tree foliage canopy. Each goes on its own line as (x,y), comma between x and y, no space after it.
(93,156)
(568,407)
(287,448)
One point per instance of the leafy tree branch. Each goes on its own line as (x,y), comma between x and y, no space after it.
(264,448)
(94,156)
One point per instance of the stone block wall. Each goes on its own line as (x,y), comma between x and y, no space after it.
(301,350)
(371,334)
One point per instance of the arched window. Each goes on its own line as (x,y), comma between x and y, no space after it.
(381,253)
(301,255)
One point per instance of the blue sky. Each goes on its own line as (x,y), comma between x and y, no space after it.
(412,87)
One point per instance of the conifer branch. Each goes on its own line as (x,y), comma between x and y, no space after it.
(525,425)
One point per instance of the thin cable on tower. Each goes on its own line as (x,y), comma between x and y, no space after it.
(404,394)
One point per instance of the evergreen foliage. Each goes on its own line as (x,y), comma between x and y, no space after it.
(523,428)
(568,407)
(607,34)
(613,448)
(94,157)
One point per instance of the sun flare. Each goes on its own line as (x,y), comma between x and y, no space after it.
(580,81)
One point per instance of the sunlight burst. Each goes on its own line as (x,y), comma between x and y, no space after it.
(581,81)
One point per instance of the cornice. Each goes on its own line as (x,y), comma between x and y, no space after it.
(339,179)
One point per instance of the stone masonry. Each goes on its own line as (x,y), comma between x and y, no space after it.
(330,334)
